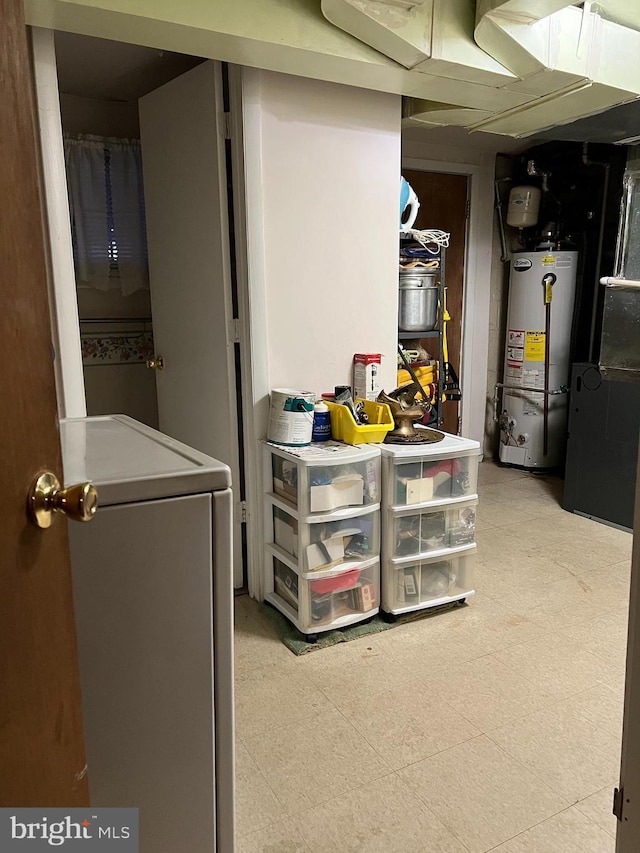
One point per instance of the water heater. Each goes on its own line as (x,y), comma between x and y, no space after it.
(541,297)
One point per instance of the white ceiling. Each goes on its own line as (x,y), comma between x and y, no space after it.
(114,71)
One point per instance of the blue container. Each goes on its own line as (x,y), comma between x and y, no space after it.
(321,423)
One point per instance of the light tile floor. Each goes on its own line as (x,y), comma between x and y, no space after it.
(490,727)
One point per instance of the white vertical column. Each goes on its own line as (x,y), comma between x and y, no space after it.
(249,199)
(477,300)
(62,284)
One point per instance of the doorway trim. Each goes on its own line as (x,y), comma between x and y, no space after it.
(476,287)
(63,298)
(63,301)
(252,305)
(245,83)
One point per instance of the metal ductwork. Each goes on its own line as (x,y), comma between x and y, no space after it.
(570,59)
(550,62)
(428,36)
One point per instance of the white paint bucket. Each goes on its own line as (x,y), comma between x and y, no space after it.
(291,416)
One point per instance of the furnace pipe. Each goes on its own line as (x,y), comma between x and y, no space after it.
(622,283)
(503,239)
(603,209)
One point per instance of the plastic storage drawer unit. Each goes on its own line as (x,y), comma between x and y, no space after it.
(429,499)
(431,581)
(322,534)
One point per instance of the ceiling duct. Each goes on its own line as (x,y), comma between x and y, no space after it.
(439,114)
(571,60)
(429,36)
(560,61)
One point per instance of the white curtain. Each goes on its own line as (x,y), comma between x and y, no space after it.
(106,201)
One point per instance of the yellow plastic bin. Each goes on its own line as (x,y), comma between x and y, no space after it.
(427,375)
(344,428)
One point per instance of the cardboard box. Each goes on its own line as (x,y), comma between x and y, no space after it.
(366,375)
(324,554)
(285,583)
(410,584)
(285,533)
(364,597)
(419,490)
(285,490)
(343,491)
(285,479)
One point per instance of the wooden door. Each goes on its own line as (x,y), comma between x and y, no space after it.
(443,205)
(629,826)
(187,235)
(41,743)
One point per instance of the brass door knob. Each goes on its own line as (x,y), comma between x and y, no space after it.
(155,363)
(46,498)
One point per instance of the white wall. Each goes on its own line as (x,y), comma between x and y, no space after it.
(321,168)
(329,158)
(95,115)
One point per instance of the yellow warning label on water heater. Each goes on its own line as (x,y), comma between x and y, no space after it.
(548,260)
(534,346)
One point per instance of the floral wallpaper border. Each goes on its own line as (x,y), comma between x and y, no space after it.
(116,348)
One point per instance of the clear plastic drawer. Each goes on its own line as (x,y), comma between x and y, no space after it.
(435,580)
(409,534)
(425,481)
(321,479)
(428,480)
(329,542)
(328,602)
(430,473)
(285,583)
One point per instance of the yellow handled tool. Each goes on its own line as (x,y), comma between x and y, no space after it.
(451,382)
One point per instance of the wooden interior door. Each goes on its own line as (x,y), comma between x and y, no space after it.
(443,205)
(41,743)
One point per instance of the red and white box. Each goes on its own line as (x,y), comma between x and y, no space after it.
(366,375)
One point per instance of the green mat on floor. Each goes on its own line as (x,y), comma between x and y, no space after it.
(299,645)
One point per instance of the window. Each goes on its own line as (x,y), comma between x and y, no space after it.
(106,202)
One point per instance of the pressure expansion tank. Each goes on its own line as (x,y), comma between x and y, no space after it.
(524,204)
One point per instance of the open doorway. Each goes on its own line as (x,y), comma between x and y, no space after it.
(149,178)
(443,205)
(100,82)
